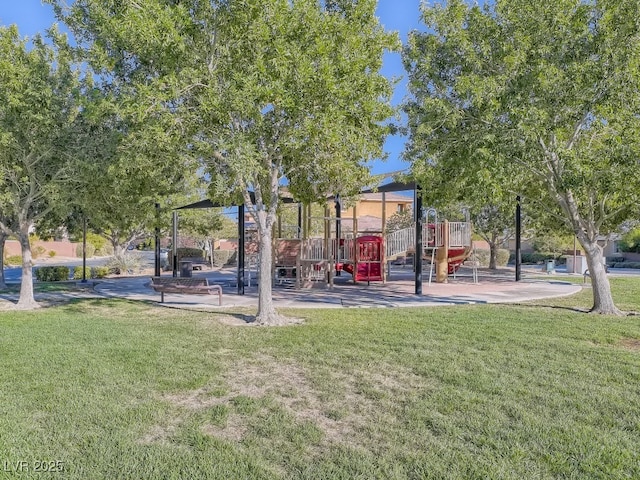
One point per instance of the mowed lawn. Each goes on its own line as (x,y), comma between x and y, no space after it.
(116,389)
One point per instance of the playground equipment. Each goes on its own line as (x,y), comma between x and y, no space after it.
(285,255)
(368,262)
(445,244)
(331,245)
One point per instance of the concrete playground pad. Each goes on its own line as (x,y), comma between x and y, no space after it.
(397,292)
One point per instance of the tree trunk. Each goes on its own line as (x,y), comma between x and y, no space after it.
(267,314)
(493,255)
(602,298)
(26,301)
(118,250)
(3,239)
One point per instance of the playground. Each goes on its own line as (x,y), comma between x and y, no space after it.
(319,261)
(319,249)
(327,261)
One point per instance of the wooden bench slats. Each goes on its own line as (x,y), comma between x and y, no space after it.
(184,285)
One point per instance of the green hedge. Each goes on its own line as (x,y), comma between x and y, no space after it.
(91,250)
(13,260)
(224,257)
(99,272)
(185,252)
(52,274)
(537,258)
(625,265)
(91,272)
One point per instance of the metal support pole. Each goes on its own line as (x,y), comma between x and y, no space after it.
(84,250)
(241,250)
(518,241)
(157,242)
(299,220)
(174,244)
(417,258)
(338,232)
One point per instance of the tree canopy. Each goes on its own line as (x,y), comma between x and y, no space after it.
(542,97)
(268,92)
(40,91)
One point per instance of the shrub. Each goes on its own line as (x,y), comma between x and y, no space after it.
(91,250)
(99,272)
(223,257)
(186,252)
(630,241)
(538,258)
(548,242)
(105,250)
(126,262)
(90,272)
(14,260)
(77,273)
(190,252)
(37,251)
(503,257)
(52,274)
(99,243)
(483,256)
(52,253)
(626,265)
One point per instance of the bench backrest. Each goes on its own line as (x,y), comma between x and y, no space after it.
(186,281)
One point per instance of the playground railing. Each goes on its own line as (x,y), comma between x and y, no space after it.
(347,250)
(459,234)
(313,249)
(429,231)
(318,249)
(399,242)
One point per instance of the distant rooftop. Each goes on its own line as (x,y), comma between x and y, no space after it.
(389,197)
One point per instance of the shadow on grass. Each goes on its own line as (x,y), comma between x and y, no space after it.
(555,307)
(631,313)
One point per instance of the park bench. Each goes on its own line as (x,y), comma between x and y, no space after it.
(196,261)
(186,286)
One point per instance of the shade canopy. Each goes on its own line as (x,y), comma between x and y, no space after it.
(286,197)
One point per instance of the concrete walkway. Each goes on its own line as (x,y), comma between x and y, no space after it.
(398,292)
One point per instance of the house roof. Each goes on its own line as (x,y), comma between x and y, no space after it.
(285,197)
(389,197)
(393,187)
(365,195)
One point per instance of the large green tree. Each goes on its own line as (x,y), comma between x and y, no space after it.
(39,106)
(300,98)
(271,91)
(133,161)
(545,95)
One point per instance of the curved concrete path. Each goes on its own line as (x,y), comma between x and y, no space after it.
(398,292)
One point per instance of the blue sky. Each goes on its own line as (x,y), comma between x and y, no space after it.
(32,17)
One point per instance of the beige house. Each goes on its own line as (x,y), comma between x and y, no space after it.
(370,204)
(370,210)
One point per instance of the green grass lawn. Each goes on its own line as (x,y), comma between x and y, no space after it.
(116,389)
(45,287)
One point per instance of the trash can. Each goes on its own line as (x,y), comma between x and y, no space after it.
(186,268)
(551,266)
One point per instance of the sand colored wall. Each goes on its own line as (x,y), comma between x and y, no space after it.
(62,248)
(374,209)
